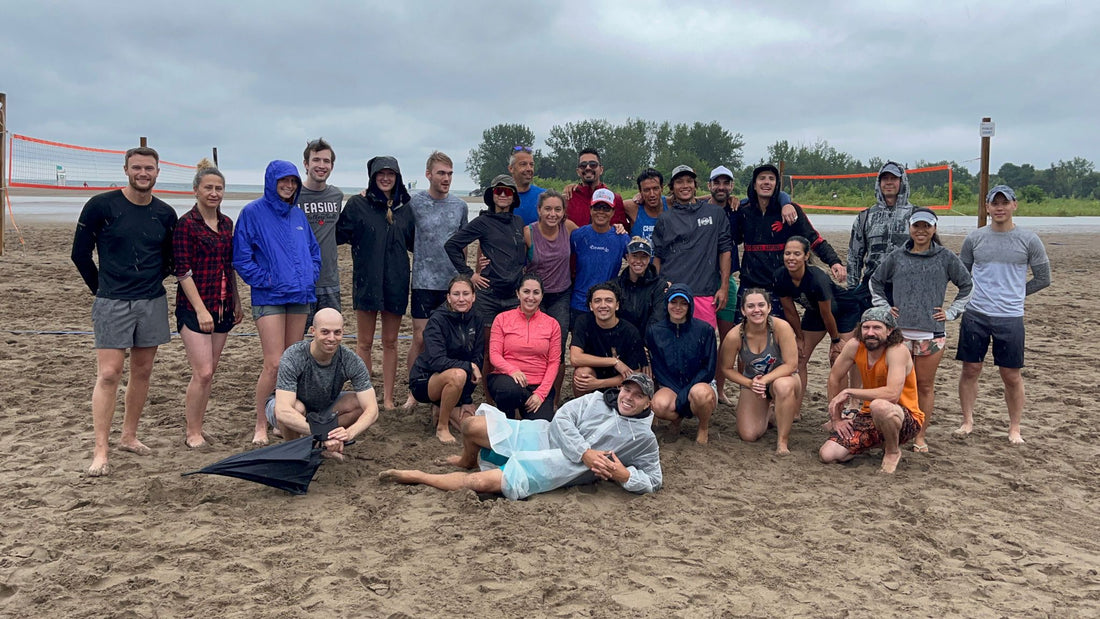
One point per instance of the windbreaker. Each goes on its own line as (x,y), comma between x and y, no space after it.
(688,239)
(878,230)
(451,340)
(765,234)
(642,302)
(920,285)
(588,422)
(274,250)
(501,238)
(379,248)
(682,355)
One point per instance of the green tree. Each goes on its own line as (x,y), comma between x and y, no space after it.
(1032,193)
(567,141)
(628,150)
(703,146)
(491,156)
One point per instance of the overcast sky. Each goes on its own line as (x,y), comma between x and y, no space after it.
(901,80)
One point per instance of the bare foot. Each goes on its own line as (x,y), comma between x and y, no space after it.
(409,404)
(194,442)
(890,462)
(964,430)
(782,450)
(99,468)
(136,447)
(702,436)
(388,405)
(276,432)
(333,455)
(724,398)
(259,439)
(444,435)
(1015,438)
(396,476)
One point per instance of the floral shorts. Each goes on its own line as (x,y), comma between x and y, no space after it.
(924,348)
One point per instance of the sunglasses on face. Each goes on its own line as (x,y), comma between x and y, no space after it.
(602,206)
(503,192)
(588,164)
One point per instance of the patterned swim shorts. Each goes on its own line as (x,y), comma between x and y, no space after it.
(924,348)
(865,436)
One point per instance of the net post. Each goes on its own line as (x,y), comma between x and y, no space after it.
(983,185)
(143,141)
(3,168)
(215,149)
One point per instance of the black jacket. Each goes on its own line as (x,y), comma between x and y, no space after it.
(451,340)
(643,301)
(501,237)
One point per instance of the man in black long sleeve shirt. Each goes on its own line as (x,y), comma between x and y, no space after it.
(132,234)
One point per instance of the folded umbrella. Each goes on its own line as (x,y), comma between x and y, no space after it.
(287,466)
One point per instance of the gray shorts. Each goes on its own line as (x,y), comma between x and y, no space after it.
(259,311)
(133,323)
(269,408)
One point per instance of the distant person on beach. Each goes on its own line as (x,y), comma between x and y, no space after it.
(590,170)
(276,254)
(998,257)
(879,230)
(605,349)
(208,304)
(131,232)
(321,203)
(380,229)
(521,165)
(890,415)
(436,216)
(601,436)
(309,394)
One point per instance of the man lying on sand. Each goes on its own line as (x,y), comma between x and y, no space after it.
(890,415)
(310,387)
(598,436)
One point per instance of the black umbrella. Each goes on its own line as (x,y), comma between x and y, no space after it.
(288,466)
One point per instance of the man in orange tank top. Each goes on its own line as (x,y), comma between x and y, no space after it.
(889,416)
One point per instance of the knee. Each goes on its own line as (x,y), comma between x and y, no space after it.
(884,410)
(971,371)
(204,375)
(702,397)
(109,376)
(1011,377)
(663,404)
(455,377)
(831,452)
(750,435)
(271,365)
(784,388)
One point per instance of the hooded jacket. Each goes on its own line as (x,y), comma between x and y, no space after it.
(642,302)
(274,249)
(688,239)
(501,237)
(379,246)
(451,340)
(920,285)
(764,235)
(682,355)
(878,230)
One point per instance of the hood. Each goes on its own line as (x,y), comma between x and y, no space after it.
(376,165)
(903,191)
(933,248)
(275,170)
(686,291)
(751,193)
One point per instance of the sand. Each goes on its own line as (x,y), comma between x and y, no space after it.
(976,528)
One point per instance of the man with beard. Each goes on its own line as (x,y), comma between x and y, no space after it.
(879,230)
(601,436)
(132,233)
(521,165)
(589,169)
(890,415)
(321,203)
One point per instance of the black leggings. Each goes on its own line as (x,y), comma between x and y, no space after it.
(511,398)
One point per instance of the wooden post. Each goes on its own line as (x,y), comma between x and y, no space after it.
(3,166)
(143,141)
(983,183)
(215,156)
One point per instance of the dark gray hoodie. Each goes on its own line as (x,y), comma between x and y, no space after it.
(880,229)
(920,285)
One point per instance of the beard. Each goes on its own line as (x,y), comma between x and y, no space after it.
(872,343)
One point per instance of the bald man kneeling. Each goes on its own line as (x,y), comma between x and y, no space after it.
(309,391)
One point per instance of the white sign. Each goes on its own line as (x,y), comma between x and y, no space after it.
(987,130)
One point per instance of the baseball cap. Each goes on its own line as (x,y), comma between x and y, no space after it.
(880,313)
(603,195)
(639,244)
(644,383)
(721,171)
(682,169)
(924,215)
(679,295)
(1005,189)
(891,168)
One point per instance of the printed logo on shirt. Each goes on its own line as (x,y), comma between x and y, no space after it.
(705,221)
(763,365)
(605,250)
(320,208)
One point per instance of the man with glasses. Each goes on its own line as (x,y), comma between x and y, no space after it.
(321,203)
(581,198)
(521,165)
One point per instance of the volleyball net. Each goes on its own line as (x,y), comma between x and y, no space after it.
(932,185)
(42,164)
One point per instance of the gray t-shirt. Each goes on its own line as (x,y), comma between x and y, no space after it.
(322,209)
(436,221)
(318,386)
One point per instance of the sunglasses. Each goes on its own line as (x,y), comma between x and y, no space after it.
(525,149)
(502,191)
(602,206)
(588,164)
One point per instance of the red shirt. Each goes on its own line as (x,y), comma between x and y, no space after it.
(530,346)
(208,256)
(579,209)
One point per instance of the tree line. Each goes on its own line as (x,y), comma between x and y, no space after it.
(627,148)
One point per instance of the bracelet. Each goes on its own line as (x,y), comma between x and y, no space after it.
(836,340)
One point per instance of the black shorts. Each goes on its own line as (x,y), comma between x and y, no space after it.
(418,386)
(190,319)
(1007,334)
(424,302)
(488,306)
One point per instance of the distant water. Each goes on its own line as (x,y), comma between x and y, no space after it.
(67,209)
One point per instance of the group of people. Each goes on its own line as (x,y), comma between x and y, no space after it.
(549,279)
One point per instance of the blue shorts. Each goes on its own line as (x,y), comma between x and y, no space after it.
(1007,334)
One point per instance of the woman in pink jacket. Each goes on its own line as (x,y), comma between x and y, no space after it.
(525,350)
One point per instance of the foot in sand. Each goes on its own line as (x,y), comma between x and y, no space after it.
(1015,438)
(194,442)
(135,447)
(782,450)
(444,435)
(964,430)
(890,462)
(702,436)
(396,476)
(409,404)
(388,405)
(99,468)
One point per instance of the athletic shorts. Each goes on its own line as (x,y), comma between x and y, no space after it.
(418,387)
(729,312)
(686,412)
(190,319)
(259,311)
(488,306)
(328,296)
(130,323)
(846,315)
(925,348)
(1006,333)
(269,408)
(865,436)
(424,302)
(704,310)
